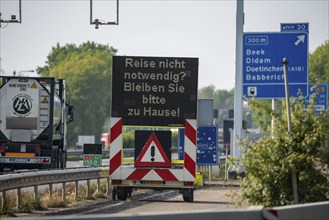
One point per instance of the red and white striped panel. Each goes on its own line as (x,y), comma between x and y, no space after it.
(115,144)
(190,150)
(119,172)
(270,214)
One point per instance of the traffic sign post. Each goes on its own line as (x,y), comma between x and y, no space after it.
(263,53)
(92,155)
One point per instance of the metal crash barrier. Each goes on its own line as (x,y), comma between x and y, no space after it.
(314,211)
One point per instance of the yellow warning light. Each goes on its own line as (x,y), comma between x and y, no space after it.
(45,100)
(34,86)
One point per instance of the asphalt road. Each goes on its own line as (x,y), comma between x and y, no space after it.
(148,201)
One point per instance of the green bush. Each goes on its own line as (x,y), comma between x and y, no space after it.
(270,161)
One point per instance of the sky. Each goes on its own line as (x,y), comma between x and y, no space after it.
(165,28)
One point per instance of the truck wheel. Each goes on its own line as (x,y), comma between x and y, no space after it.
(58,158)
(54,158)
(188,195)
(61,159)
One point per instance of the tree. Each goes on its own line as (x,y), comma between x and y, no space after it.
(207,92)
(87,71)
(261,114)
(319,64)
(223,99)
(270,161)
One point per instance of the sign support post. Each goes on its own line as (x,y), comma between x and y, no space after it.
(237,153)
(293,175)
(273,121)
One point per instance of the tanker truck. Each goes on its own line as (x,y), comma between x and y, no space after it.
(33,123)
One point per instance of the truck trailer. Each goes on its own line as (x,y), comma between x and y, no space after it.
(33,123)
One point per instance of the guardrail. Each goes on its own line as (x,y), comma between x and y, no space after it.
(315,211)
(38,178)
(127,152)
(49,177)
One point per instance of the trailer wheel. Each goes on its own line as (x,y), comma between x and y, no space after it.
(188,195)
(122,193)
(114,194)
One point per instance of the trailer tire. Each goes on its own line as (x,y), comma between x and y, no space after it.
(114,194)
(188,195)
(121,193)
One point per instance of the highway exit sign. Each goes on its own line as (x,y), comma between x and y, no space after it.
(263,75)
(294,27)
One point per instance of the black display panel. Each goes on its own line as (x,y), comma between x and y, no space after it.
(92,149)
(154,91)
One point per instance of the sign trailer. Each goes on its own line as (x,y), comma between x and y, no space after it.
(153,92)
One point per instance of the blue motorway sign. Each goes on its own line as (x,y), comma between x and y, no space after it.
(207,139)
(294,27)
(206,151)
(263,75)
(320,91)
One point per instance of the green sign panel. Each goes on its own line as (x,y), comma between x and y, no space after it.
(94,160)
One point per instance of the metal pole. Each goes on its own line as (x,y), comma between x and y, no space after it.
(20,11)
(76,190)
(117,12)
(91,12)
(237,153)
(64,192)
(36,196)
(98,185)
(50,190)
(273,121)
(226,167)
(19,197)
(293,174)
(4,199)
(88,188)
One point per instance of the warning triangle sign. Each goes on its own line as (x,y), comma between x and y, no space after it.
(152,154)
(34,86)
(44,100)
